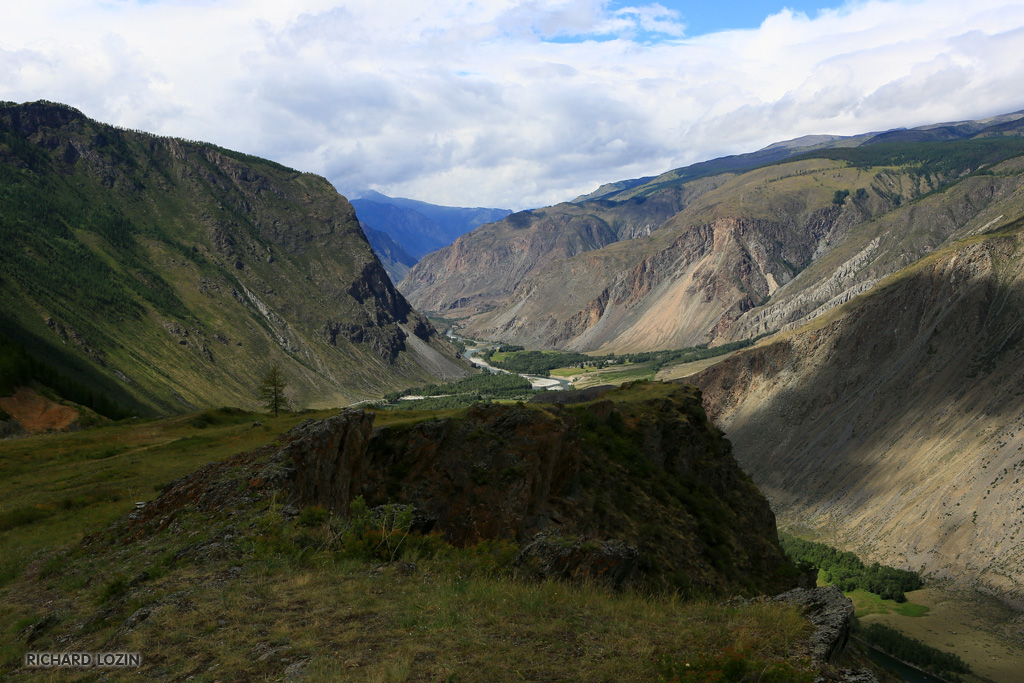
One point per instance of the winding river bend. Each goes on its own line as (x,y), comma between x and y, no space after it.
(549,383)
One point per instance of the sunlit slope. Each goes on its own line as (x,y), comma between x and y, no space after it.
(677,261)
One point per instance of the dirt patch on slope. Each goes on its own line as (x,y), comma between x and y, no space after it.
(36,413)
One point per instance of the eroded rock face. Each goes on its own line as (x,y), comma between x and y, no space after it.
(549,556)
(830,612)
(633,486)
(645,472)
(500,472)
(326,459)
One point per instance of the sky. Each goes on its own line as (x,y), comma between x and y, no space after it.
(511,103)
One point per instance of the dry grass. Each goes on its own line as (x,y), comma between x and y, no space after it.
(683,370)
(614,375)
(68,484)
(344,620)
(247,594)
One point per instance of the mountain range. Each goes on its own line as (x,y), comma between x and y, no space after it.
(881,407)
(726,249)
(170,274)
(894,424)
(883,410)
(402,231)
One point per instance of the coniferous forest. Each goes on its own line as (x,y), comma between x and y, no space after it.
(846,571)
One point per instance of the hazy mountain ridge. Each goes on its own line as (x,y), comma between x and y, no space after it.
(419,227)
(721,257)
(894,423)
(176,270)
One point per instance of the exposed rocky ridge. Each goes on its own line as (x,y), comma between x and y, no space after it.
(830,611)
(831,615)
(217,265)
(741,255)
(713,272)
(641,468)
(894,425)
(28,411)
(687,283)
(491,262)
(897,238)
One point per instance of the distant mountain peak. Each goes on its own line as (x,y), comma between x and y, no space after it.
(806,141)
(375,196)
(419,227)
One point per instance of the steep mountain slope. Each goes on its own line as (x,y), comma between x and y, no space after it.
(394,259)
(170,274)
(895,423)
(485,266)
(688,258)
(418,227)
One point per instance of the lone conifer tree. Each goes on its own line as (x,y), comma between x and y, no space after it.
(272,390)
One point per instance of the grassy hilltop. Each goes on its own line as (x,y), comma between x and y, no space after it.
(220,578)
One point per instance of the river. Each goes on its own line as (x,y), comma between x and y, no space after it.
(549,383)
(904,671)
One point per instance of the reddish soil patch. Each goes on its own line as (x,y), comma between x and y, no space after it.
(37,413)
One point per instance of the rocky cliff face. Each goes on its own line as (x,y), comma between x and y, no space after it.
(637,480)
(679,261)
(179,271)
(489,264)
(894,425)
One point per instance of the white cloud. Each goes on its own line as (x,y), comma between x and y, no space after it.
(505,102)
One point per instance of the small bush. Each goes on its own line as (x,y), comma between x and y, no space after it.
(378,533)
(202,421)
(220,416)
(12,519)
(114,588)
(313,515)
(489,557)
(840,197)
(731,666)
(382,534)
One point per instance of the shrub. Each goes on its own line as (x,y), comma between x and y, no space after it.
(731,666)
(489,557)
(314,515)
(378,533)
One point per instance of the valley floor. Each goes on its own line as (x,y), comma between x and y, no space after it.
(980,630)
